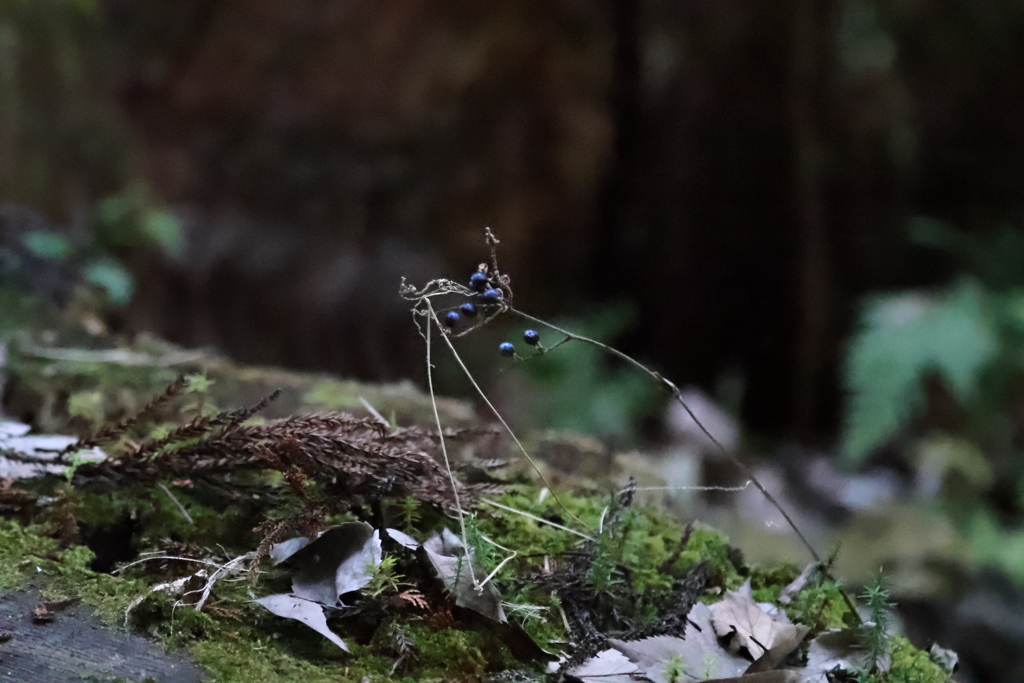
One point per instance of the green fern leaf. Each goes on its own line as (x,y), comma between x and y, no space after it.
(903,338)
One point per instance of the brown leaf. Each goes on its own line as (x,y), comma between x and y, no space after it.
(306,611)
(787,639)
(754,629)
(448,557)
(697,653)
(610,666)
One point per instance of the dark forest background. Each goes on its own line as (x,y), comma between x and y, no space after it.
(741,173)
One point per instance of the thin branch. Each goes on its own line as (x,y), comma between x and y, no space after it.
(677,395)
(174,500)
(538,519)
(663,381)
(501,419)
(444,447)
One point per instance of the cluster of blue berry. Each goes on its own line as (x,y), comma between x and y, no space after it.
(489,296)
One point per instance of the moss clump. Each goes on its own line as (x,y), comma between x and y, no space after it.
(156,516)
(453,653)
(30,560)
(910,665)
(822,607)
(767,583)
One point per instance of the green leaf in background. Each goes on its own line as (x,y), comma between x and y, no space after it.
(111,276)
(165,230)
(903,338)
(47,244)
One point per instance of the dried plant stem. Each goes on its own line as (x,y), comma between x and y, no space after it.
(501,419)
(538,519)
(677,395)
(444,447)
(666,383)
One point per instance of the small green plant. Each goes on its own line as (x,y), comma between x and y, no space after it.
(383,577)
(409,511)
(675,670)
(875,637)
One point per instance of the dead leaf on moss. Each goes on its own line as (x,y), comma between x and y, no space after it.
(787,639)
(832,651)
(403,539)
(306,611)
(697,654)
(448,557)
(339,561)
(755,630)
(610,666)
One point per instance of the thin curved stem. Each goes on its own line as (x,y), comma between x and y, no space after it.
(663,381)
(501,419)
(444,447)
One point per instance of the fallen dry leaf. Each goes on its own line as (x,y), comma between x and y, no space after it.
(834,651)
(697,654)
(788,638)
(610,666)
(338,561)
(306,611)
(448,557)
(755,630)
(798,584)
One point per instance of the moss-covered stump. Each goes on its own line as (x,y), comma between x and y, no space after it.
(569,595)
(214,513)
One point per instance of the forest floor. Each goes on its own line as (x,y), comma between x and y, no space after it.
(203,520)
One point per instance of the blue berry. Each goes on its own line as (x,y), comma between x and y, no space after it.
(491,296)
(468,310)
(531,337)
(477,281)
(452,319)
(506,349)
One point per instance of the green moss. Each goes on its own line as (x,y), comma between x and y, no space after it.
(241,660)
(453,653)
(910,665)
(710,546)
(157,516)
(821,607)
(766,583)
(29,560)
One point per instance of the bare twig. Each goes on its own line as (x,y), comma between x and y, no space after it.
(501,419)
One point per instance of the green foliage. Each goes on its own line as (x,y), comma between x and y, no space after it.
(821,607)
(449,653)
(156,516)
(112,277)
(47,244)
(383,577)
(30,559)
(409,511)
(995,545)
(675,670)
(910,665)
(129,219)
(766,583)
(874,633)
(903,339)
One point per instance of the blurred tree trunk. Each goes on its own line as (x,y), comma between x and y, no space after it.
(809,95)
(618,228)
